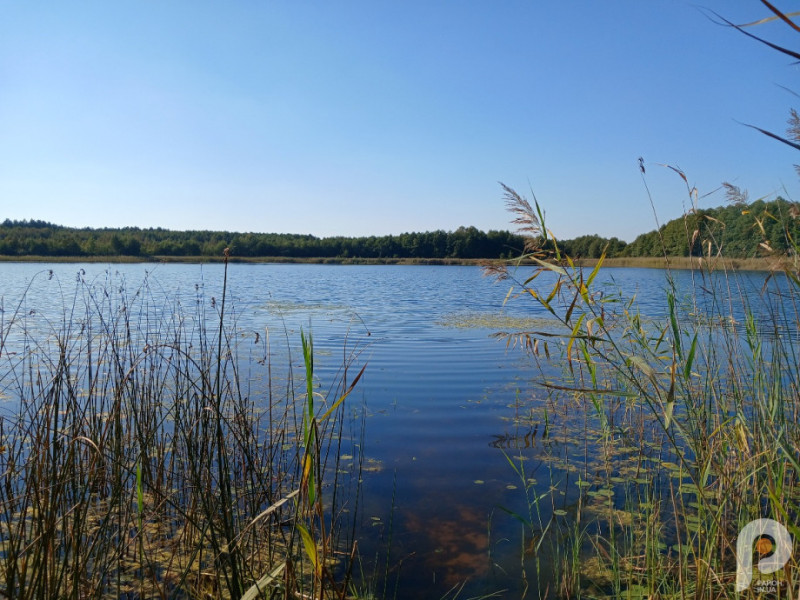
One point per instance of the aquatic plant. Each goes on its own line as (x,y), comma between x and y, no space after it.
(688,423)
(149,450)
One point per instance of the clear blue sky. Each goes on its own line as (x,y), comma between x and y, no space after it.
(374,117)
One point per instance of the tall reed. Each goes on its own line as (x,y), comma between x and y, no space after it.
(688,423)
(146,453)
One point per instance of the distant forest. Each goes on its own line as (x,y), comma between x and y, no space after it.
(738,230)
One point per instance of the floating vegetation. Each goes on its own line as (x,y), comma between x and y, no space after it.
(495,322)
(372,465)
(287,307)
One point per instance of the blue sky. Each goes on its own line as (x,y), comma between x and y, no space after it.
(359,118)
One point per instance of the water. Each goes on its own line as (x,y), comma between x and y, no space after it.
(446,402)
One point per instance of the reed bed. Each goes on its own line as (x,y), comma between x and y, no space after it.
(697,263)
(662,437)
(149,451)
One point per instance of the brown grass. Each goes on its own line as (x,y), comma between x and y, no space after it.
(686,262)
(674,262)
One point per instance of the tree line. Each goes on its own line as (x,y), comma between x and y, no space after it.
(738,230)
(39,238)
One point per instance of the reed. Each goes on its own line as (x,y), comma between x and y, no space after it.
(687,424)
(146,453)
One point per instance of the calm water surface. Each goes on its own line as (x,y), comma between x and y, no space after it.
(444,399)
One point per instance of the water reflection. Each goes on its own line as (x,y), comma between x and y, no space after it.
(455,540)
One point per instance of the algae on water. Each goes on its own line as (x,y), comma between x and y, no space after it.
(497,322)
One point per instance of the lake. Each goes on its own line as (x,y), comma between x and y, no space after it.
(444,402)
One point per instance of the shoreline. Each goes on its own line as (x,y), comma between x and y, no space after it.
(320,260)
(673,262)
(693,263)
